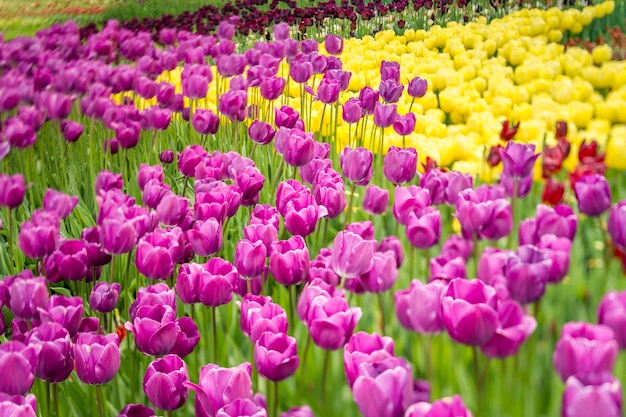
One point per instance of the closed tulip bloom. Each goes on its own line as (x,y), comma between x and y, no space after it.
(376,200)
(317,287)
(409,199)
(352,111)
(310,171)
(586,351)
(436,182)
(456,244)
(356,165)
(155,329)
(12,190)
(385,114)
(205,237)
(104,296)
(603,398)
(242,408)
(383,274)
(164,382)
(54,359)
(302,214)
(400,165)
(527,272)
(419,307)
(369,98)
(331,322)
(69,261)
(393,244)
(364,229)
(205,122)
(172,209)
(276,356)
(518,159)
(167,156)
(38,236)
(188,282)
(286,117)
(300,71)
(272,87)
(558,250)
(18,406)
(157,294)
(390,70)
(187,337)
(616,224)
(445,407)
(289,261)
(66,311)
(261,133)
(298,147)
(156,254)
(593,194)
(390,90)
(333,44)
(97,357)
(516,187)
(515,327)
(560,221)
(456,182)
(328,91)
(17,134)
(189,158)
(469,311)
(365,348)
(352,256)
(136,410)
(447,267)
(380,391)
(423,228)
(17,363)
(250,258)
(26,294)
(220,386)
(417,87)
(217,285)
(259,315)
(612,313)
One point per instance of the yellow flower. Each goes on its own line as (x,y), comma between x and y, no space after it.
(616,148)
(601,53)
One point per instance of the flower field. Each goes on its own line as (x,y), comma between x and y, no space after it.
(360,209)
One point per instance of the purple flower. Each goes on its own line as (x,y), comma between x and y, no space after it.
(423,228)
(333,44)
(365,348)
(331,321)
(515,327)
(390,90)
(276,356)
(155,329)
(352,256)
(97,357)
(560,221)
(104,297)
(54,355)
(356,165)
(286,117)
(616,224)
(558,250)
(25,294)
(157,294)
(351,111)
(272,87)
(527,271)
(368,98)
(484,212)
(69,261)
(408,200)
(383,274)
(289,261)
(393,244)
(447,267)
(603,398)
(261,133)
(390,70)
(136,410)
(457,245)
(593,194)
(376,200)
(469,311)
(417,87)
(295,145)
(205,237)
(586,351)
(66,311)
(205,122)
(304,411)
(12,190)
(445,407)
(250,258)
(164,382)
(436,182)
(242,408)
(385,114)
(259,315)
(18,406)
(612,313)
(328,91)
(456,182)
(400,165)
(156,254)
(419,307)
(518,159)
(17,364)
(38,236)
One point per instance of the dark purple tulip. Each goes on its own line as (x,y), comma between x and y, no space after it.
(400,165)
(261,133)
(352,111)
(71,130)
(69,261)
(586,351)
(369,98)
(276,356)
(436,182)
(167,156)
(447,267)
(128,134)
(136,410)
(352,256)
(18,134)
(456,182)
(593,194)
(419,307)
(188,282)
(417,87)
(205,122)
(104,296)
(603,398)
(612,313)
(356,165)
(408,200)
(518,159)
(9,99)
(111,146)
(17,363)
(484,212)
(302,214)
(38,236)
(58,202)
(390,90)
(286,117)
(376,200)
(11,190)
(233,104)
(155,329)
(515,327)
(107,180)
(527,272)
(445,407)
(66,311)
(469,311)
(385,114)
(97,357)
(164,382)
(54,359)
(259,315)
(365,348)
(331,321)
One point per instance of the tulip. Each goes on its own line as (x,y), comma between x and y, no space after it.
(364,229)
(39,235)
(54,360)
(17,134)
(285,117)
(242,407)
(419,307)
(329,192)
(456,182)
(393,244)
(390,90)
(390,70)
(385,114)
(295,145)
(376,200)
(104,297)
(365,348)
(289,261)
(611,313)
(331,322)
(527,272)
(423,227)
(558,250)
(445,407)
(136,410)
(400,165)
(97,357)
(559,221)
(515,327)
(383,274)
(18,406)
(333,44)
(518,160)
(616,224)
(469,311)
(352,256)
(586,351)
(508,131)
(66,311)
(205,237)
(167,156)
(603,398)
(155,329)
(25,294)
(593,194)
(216,286)
(69,261)
(417,87)
(369,98)
(352,111)
(436,182)
(259,315)
(276,356)
(328,91)
(553,192)
(157,294)
(164,382)
(17,363)
(205,122)
(156,254)
(189,158)
(447,267)
(408,200)
(250,258)
(12,190)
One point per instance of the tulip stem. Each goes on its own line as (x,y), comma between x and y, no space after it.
(275,414)
(479,381)
(429,358)
(324,375)
(476,253)
(111,270)
(381,305)
(48,398)
(55,399)
(291,318)
(12,262)
(214,325)
(349,212)
(126,284)
(185,186)
(99,401)
(513,211)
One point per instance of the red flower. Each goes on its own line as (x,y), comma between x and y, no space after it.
(552,161)
(508,131)
(494,158)
(553,192)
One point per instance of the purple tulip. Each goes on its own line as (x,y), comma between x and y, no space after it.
(261,133)
(469,311)
(423,227)
(136,410)
(18,406)
(17,363)
(54,359)
(603,398)
(289,261)
(560,221)
(205,122)
(393,244)
(167,156)
(447,267)
(365,348)
(518,159)
(155,329)
(69,261)
(376,200)
(328,91)
(217,285)
(352,111)
(408,200)
(38,236)
(586,351)
(329,192)
(369,98)
(259,315)
(12,190)
(97,357)
(616,224)
(250,258)
(436,182)
(593,194)
(352,256)
(400,165)
(417,87)
(558,250)
(612,313)
(286,117)
(356,165)
(25,294)
(419,307)
(295,145)
(276,356)
(515,187)
(17,134)
(66,311)
(157,294)
(527,272)
(445,407)
(390,70)
(205,237)
(383,274)
(456,182)
(484,212)
(164,382)
(156,254)
(242,407)
(331,322)
(104,297)
(457,245)
(364,229)
(390,90)
(515,327)
(385,114)
(333,44)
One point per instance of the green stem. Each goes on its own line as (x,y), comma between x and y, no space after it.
(214,325)
(275,414)
(324,375)
(99,401)
(12,262)
(479,382)
(48,402)
(381,305)
(349,212)
(513,212)
(111,280)
(290,290)
(126,273)
(55,396)
(429,357)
